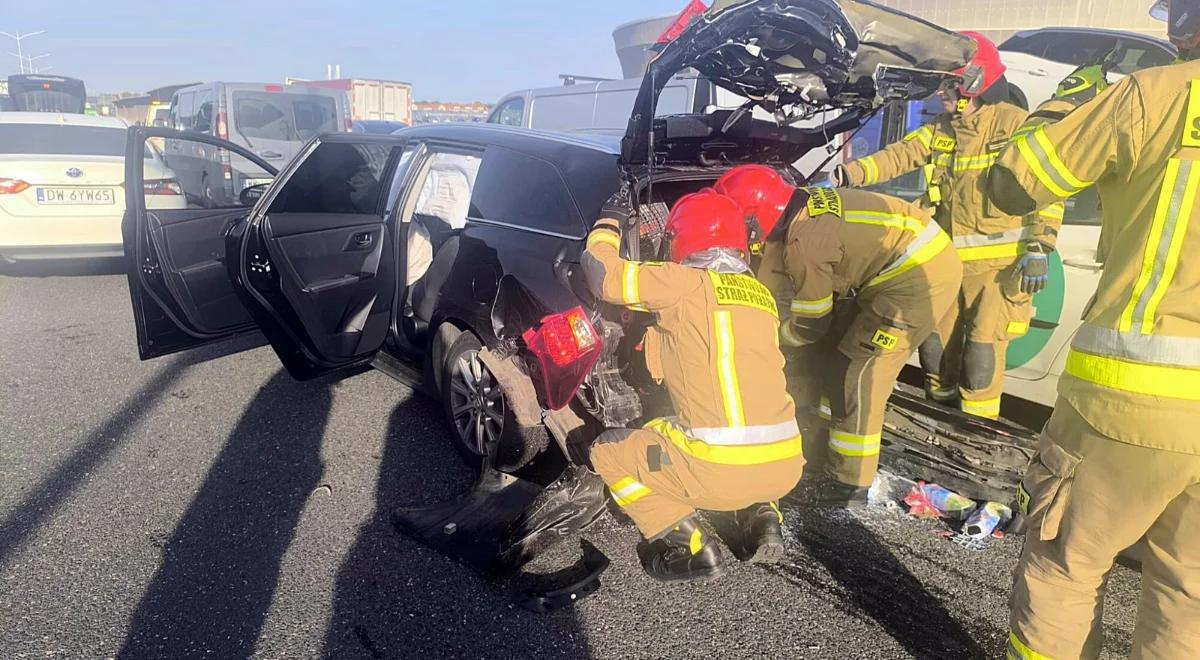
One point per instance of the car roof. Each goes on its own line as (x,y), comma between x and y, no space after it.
(61,119)
(1133,36)
(512,136)
(298,88)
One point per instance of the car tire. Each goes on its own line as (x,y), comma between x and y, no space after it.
(477,412)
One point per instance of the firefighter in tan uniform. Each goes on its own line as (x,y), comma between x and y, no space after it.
(1120,458)
(733,444)
(895,273)
(964,359)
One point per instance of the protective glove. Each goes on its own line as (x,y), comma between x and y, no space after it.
(619,206)
(1034,267)
(840,176)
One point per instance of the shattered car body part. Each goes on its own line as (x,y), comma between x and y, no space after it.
(552,595)
(505,521)
(981,459)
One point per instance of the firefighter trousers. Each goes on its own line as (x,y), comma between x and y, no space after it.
(884,329)
(1088,498)
(659,485)
(964,359)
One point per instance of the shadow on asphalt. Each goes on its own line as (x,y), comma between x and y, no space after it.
(221,565)
(395,598)
(65,268)
(70,474)
(871,582)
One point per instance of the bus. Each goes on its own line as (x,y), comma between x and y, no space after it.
(42,93)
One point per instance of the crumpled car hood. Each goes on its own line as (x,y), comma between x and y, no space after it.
(795,58)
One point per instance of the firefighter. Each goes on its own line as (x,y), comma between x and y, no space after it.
(1001,253)
(733,444)
(892,265)
(1119,460)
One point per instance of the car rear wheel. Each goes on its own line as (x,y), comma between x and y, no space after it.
(478,412)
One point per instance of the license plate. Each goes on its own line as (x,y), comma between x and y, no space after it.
(75,196)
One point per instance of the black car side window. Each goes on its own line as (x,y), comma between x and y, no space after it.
(336,178)
(520,190)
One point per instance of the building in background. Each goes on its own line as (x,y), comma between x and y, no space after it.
(435,112)
(1000,19)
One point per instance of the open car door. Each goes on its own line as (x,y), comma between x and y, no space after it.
(183,194)
(316,262)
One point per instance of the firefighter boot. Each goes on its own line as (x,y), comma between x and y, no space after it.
(826,492)
(684,553)
(762,533)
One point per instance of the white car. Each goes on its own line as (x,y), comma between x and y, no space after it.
(62,191)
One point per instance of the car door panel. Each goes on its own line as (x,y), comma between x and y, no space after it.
(181,295)
(322,282)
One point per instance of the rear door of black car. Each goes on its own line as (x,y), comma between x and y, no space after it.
(317,263)
(174,235)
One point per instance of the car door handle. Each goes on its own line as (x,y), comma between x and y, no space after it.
(1083,264)
(270,154)
(361,240)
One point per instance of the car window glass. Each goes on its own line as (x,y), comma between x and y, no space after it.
(397,187)
(314,115)
(197,175)
(336,178)
(1080,49)
(1138,57)
(183,111)
(56,140)
(1032,44)
(203,111)
(446,186)
(511,113)
(517,189)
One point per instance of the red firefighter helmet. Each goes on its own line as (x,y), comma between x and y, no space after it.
(761,193)
(984,70)
(705,220)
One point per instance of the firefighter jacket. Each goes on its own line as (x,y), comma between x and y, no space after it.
(839,244)
(955,154)
(1133,371)
(713,345)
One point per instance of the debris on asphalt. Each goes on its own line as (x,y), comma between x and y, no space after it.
(986,520)
(972,525)
(933,501)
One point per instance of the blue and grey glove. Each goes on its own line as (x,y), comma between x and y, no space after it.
(1034,267)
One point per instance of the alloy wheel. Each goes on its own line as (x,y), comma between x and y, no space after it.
(477,404)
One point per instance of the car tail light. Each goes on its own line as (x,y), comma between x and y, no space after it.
(12,186)
(222,127)
(162,187)
(273,88)
(566,347)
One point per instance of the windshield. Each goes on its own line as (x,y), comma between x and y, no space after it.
(288,117)
(48,101)
(53,140)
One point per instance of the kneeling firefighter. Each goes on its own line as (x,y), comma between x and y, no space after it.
(887,256)
(734,444)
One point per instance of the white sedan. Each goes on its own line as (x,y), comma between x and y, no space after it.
(62,185)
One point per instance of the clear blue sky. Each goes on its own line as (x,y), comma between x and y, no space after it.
(453,50)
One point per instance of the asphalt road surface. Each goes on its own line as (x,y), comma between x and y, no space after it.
(207,505)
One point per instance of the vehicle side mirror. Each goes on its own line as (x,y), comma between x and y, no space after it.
(251,194)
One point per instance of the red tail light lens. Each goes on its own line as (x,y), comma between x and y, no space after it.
(566,347)
(222,127)
(12,186)
(162,187)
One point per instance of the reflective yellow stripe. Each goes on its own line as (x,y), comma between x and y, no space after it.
(629,284)
(924,134)
(989,408)
(944,394)
(696,542)
(1018,328)
(813,308)
(728,455)
(825,409)
(788,336)
(916,258)
(855,446)
(605,238)
(943,160)
(975,162)
(984,252)
(731,390)
(870,170)
(1164,245)
(885,219)
(1135,377)
(1018,651)
(628,490)
(1043,160)
(1054,212)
